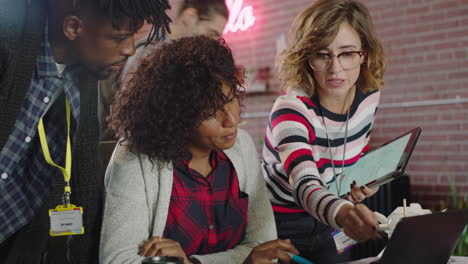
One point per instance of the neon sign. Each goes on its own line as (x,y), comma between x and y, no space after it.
(240,18)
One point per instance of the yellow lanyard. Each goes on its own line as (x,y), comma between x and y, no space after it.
(68,156)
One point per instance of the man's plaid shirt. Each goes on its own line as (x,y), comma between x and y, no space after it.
(206,214)
(25,177)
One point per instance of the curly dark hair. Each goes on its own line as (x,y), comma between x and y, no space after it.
(173,90)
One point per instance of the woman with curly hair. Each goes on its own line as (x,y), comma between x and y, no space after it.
(184,180)
(332,72)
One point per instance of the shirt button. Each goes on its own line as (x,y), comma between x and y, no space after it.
(27,139)
(4,176)
(46,99)
(212,227)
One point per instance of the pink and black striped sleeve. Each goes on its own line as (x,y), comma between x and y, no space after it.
(292,130)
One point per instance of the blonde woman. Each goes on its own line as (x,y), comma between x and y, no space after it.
(332,72)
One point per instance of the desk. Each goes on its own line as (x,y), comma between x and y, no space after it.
(453,260)
(458,260)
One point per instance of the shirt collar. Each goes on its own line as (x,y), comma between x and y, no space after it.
(45,66)
(215,156)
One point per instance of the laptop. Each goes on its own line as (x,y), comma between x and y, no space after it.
(425,239)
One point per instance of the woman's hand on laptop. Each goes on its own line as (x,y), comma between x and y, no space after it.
(159,246)
(358,222)
(275,249)
(359,193)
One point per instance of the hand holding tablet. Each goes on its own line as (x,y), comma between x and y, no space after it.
(378,166)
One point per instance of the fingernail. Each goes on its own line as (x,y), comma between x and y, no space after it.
(354,182)
(362,187)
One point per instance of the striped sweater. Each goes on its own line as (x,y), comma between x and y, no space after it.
(296,160)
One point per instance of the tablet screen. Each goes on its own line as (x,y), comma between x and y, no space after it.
(376,164)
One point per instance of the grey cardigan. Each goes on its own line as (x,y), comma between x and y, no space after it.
(137,201)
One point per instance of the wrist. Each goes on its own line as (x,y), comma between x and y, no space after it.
(193,260)
(342,214)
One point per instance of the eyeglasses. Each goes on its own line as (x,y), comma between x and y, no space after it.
(349,60)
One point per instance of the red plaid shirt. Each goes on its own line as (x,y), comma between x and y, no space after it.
(206,214)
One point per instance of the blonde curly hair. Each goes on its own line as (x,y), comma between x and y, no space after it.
(314,29)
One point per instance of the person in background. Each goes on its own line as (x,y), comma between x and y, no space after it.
(52,52)
(194,17)
(200,17)
(332,72)
(184,180)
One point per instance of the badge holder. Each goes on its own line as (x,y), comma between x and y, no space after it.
(66,219)
(342,241)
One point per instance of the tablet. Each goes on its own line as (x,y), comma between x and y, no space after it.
(379,166)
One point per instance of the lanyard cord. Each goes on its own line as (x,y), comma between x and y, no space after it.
(45,149)
(338,187)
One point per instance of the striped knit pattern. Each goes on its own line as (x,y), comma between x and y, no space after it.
(296,160)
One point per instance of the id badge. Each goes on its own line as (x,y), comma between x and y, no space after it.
(66,220)
(342,241)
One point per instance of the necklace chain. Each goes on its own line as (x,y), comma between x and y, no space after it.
(338,187)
